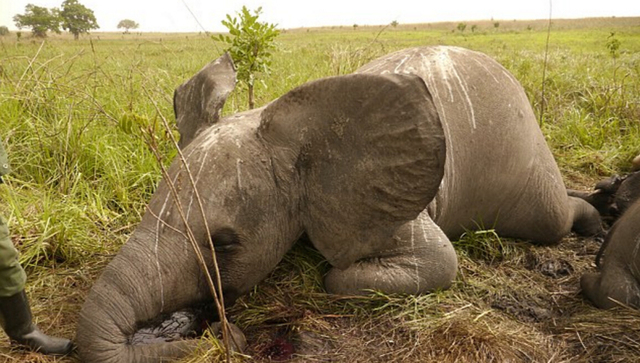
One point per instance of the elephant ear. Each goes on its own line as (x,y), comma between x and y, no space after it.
(370,157)
(197,103)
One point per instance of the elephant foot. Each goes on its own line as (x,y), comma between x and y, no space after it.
(179,325)
(400,275)
(611,288)
(586,219)
(186,324)
(601,200)
(421,259)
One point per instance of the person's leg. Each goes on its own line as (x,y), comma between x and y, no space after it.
(12,276)
(15,314)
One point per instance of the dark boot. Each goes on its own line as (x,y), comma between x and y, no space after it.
(15,316)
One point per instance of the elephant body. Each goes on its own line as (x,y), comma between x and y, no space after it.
(380,169)
(499,172)
(618,281)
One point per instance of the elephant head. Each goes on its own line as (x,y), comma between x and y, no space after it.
(612,196)
(347,160)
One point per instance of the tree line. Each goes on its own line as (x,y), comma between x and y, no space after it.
(71,16)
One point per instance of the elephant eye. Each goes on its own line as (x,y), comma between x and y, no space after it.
(225,240)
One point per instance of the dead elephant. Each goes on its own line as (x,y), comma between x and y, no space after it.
(380,169)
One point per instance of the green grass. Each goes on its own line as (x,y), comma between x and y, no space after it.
(75,117)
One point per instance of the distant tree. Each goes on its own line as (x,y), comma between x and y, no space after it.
(474,27)
(127,24)
(4,30)
(613,44)
(462,26)
(394,23)
(39,19)
(251,46)
(355,26)
(76,18)
(496,24)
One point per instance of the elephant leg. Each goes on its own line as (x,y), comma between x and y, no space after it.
(586,219)
(600,199)
(610,288)
(421,259)
(578,194)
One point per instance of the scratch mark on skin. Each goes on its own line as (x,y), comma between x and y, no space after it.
(448,176)
(469,104)
(449,72)
(157,242)
(414,257)
(202,89)
(197,178)
(159,222)
(634,269)
(426,227)
(443,62)
(402,62)
(634,266)
(511,78)
(215,135)
(484,66)
(239,177)
(628,294)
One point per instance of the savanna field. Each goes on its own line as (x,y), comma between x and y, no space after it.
(81,120)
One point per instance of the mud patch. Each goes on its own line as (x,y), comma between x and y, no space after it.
(554,267)
(294,343)
(522,309)
(309,343)
(279,349)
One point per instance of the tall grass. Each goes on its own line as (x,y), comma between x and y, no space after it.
(71,113)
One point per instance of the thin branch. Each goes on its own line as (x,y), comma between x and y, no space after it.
(218,295)
(544,67)
(29,66)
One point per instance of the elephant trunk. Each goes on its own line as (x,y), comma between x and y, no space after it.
(131,292)
(102,339)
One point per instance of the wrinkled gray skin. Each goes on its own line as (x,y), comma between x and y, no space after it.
(618,281)
(380,169)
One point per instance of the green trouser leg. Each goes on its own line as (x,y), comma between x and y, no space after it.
(12,276)
(15,314)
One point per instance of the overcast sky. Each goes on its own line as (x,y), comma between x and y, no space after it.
(174,15)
